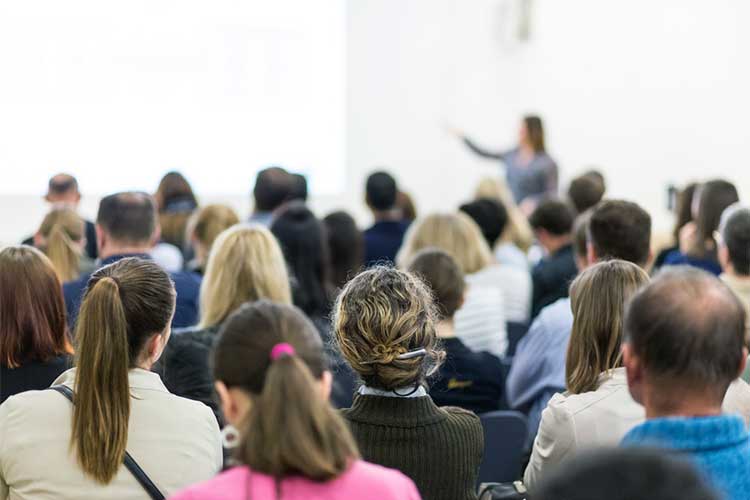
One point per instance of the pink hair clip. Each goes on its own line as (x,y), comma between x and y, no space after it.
(282,349)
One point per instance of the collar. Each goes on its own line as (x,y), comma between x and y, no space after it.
(691,433)
(138,378)
(394,412)
(114,258)
(616,376)
(404,392)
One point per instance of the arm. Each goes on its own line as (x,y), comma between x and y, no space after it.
(483,152)
(554,441)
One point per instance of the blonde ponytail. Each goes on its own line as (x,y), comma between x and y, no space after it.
(63,231)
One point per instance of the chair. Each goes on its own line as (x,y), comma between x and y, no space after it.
(505,434)
(516,331)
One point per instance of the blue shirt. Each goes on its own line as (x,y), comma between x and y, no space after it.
(383,240)
(186,284)
(677,258)
(719,446)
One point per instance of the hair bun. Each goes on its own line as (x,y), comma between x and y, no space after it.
(386,354)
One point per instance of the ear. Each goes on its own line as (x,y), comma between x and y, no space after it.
(38,240)
(634,371)
(157,344)
(461,301)
(228,405)
(591,256)
(723,255)
(101,238)
(326,385)
(743,362)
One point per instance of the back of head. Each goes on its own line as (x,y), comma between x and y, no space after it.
(32,308)
(585,192)
(298,188)
(346,244)
(275,354)
(380,315)
(598,298)
(245,264)
(715,197)
(684,208)
(735,235)
(535,132)
(305,245)
(490,216)
(62,232)
(688,330)
(620,230)
(210,221)
(455,233)
(381,191)
(272,188)
(624,474)
(125,305)
(441,272)
(174,194)
(554,216)
(128,218)
(518,230)
(581,236)
(62,188)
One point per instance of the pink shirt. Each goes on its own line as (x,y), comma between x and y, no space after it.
(363,481)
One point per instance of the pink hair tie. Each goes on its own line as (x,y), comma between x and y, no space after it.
(282,349)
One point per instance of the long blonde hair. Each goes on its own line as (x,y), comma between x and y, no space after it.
(63,231)
(454,233)
(518,230)
(245,264)
(207,223)
(598,297)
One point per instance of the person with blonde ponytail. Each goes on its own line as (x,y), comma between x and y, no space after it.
(62,238)
(52,447)
(289,443)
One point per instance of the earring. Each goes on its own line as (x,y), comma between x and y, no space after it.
(230,437)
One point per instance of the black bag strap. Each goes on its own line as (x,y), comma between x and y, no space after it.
(129,462)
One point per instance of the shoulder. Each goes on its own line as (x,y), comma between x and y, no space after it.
(195,337)
(228,484)
(75,286)
(186,279)
(462,418)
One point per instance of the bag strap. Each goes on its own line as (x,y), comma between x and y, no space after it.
(128,461)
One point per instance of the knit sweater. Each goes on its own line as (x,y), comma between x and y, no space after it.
(440,449)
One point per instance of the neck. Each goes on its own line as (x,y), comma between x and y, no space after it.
(686,405)
(555,244)
(445,329)
(386,215)
(110,251)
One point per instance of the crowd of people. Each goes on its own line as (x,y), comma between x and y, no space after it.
(170,349)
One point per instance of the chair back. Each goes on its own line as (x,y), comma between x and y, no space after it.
(505,434)
(516,331)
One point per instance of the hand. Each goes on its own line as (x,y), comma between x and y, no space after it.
(688,234)
(450,129)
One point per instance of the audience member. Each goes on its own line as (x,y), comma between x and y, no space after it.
(298,188)
(625,474)
(384,237)
(586,191)
(62,238)
(684,345)
(405,203)
(481,321)
(35,346)
(515,281)
(271,376)
(552,222)
(245,265)
(54,449)
(384,321)
(126,226)
(273,186)
(733,239)
(346,244)
(596,410)
(469,380)
(62,192)
(176,203)
(697,244)
(203,228)
(683,212)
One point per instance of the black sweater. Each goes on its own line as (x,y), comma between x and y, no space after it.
(440,449)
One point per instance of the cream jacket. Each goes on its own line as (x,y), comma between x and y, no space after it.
(575,422)
(176,441)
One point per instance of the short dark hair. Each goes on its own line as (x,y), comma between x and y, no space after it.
(62,183)
(490,216)
(381,191)
(554,216)
(272,188)
(585,192)
(441,273)
(688,329)
(128,217)
(298,187)
(621,229)
(624,474)
(346,244)
(735,231)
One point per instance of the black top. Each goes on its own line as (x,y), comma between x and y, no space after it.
(552,277)
(383,240)
(31,376)
(467,379)
(91,249)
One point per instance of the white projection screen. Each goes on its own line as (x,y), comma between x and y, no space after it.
(118,93)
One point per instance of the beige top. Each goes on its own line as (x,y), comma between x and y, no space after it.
(176,441)
(575,422)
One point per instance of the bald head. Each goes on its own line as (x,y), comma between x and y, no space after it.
(63,188)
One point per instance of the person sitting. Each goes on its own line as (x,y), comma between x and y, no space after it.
(552,222)
(384,237)
(245,264)
(203,228)
(625,474)
(63,192)
(469,380)
(126,226)
(384,322)
(62,238)
(480,322)
(515,281)
(175,202)
(596,410)
(733,239)
(346,243)
(298,188)
(586,191)
(684,345)
(270,373)
(405,203)
(683,213)
(273,186)
(698,246)
(52,447)
(35,346)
